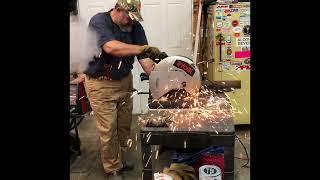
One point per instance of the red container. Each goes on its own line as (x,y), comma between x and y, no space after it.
(78,98)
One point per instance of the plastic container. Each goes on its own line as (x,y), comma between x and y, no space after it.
(210,172)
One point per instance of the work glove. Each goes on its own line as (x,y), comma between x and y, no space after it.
(180,172)
(153,53)
(161,56)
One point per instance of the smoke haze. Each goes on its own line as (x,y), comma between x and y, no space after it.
(83,45)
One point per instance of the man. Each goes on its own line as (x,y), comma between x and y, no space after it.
(108,79)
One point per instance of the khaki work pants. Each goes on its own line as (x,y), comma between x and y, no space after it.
(112,108)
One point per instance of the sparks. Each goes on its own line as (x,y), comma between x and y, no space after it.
(157,154)
(119,65)
(136,137)
(245,110)
(148,138)
(129,142)
(148,161)
(133,94)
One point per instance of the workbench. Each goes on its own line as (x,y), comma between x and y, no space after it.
(211,132)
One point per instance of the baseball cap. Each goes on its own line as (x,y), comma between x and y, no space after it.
(133,7)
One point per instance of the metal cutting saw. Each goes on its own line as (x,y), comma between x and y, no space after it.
(176,83)
(174,73)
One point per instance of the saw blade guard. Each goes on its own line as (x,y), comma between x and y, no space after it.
(174,73)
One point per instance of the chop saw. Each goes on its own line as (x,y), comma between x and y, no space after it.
(175,83)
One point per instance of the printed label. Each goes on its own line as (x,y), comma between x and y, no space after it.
(243,42)
(245,18)
(237,29)
(235,23)
(242,54)
(185,67)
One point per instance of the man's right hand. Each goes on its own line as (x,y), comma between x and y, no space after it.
(150,52)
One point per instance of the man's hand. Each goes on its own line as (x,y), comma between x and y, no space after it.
(150,52)
(153,53)
(150,49)
(161,56)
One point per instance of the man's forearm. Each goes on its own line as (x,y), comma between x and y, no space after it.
(120,49)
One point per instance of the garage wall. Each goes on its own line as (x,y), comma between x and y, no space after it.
(168,25)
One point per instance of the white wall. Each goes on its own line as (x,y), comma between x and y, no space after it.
(168,26)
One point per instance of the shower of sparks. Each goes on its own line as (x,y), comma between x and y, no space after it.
(174,128)
(157,153)
(148,161)
(119,64)
(201,62)
(148,135)
(129,142)
(245,110)
(82,97)
(135,93)
(136,137)
(216,131)
(198,110)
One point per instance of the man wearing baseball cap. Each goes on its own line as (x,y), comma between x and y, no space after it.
(108,79)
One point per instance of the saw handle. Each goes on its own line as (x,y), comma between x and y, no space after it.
(144,76)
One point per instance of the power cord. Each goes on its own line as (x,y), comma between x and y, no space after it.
(245,149)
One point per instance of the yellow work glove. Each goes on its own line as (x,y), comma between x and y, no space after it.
(180,172)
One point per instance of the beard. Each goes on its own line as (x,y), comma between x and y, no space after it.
(126,28)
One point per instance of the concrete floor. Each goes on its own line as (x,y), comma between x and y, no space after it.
(88,166)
